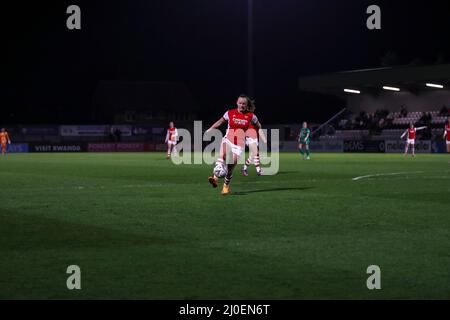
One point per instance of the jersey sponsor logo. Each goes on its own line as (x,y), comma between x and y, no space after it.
(240,122)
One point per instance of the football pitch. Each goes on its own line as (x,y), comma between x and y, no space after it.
(140,227)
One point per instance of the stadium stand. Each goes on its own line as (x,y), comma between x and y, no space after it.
(385,113)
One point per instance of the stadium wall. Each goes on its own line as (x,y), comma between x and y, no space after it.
(57,147)
(92,147)
(316,146)
(18,148)
(332,146)
(366,146)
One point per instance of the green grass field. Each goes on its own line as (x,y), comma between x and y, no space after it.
(141,228)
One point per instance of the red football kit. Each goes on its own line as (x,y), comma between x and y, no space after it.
(238,124)
(412,134)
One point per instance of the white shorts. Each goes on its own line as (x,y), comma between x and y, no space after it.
(249,141)
(173,143)
(448,142)
(411,141)
(237,150)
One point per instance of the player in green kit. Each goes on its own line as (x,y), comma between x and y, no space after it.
(304,140)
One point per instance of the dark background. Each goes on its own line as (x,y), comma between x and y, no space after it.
(49,74)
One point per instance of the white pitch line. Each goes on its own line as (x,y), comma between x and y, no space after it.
(385,174)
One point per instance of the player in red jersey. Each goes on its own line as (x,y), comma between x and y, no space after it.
(447,134)
(251,140)
(171,139)
(239,121)
(411,140)
(4,140)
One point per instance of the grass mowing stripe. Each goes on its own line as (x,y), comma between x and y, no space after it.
(140,227)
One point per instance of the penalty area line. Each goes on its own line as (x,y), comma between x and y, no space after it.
(385,174)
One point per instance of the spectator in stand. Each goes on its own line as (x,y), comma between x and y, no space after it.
(111,134)
(118,134)
(444,112)
(403,112)
(370,120)
(426,119)
(423,118)
(358,121)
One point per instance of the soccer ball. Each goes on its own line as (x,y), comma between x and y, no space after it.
(220,171)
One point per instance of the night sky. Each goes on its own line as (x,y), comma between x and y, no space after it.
(49,74)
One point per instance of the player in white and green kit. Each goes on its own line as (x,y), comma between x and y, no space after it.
(304,139)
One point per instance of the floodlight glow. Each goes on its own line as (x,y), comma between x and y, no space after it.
(391,88)
(432,85)
(352,91)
